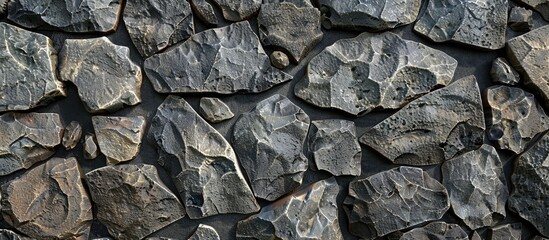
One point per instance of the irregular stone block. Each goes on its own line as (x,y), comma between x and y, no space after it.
(204,10)
(204,232)
(90,147)
(279,60)
(238,10)
(541,6)
(506,232)
(6,234)
(436,230)
(214,110)
(502,72)
(119,138)
(520,19)
(72,135)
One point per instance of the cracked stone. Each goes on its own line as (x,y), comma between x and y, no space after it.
(204,232)
(202,163)
(269,142)
(71,135)
(6,234)
(205,12)
(238,10)
(221,60)
(436,230)
(214,110)
(28,65)
(394,200)
(308,213)
(520,19)
(433,128)
(506,232)
(279,60)
(105,76)
(373,71)
(49,201)
(119,138)
(90,147)
(502,72)
(541,6)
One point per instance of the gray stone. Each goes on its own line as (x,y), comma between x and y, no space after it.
(541,6)
(49,201)
(476,184)
(204,232)
(477,23)
(3,7)
(238,10)
(335,148)
(71,135)
(506,232)
(308,213)
(476,236)
(431,129)
(394,200)
(155,25)
(520,19)
(516,117)
(222,60)
(373,71)
(269,142)
(90,147)
(6,234)
(502,72)
(27,138)
(214,110)
(119,138)
(202,163)
(205,12)
(105,76)
(66,15)
(436,230)
(28,64)
(539,238)
(279,60)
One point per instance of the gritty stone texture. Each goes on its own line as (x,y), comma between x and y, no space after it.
(27,138)
(516,117)
(394,200)
(214,110)
(478,23)
(90,147)
(202,163)
(204,232)
(6,234)
(335,148)
(279,60)
(476,185)
(503,73)
(205,12)
(71,135)
(49,201)
(269,142)
(238,10)
(520,19)
(105,76)
(541,6)
(66,15)
(119,138)
(28,63)
(131,200)
(154,25)
(308,213)
(506,232)
(433,128)
(373,71)
(436,230)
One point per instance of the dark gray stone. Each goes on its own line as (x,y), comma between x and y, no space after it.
(6,234)
(503,73)
(214,110)
(541,6)
(436,231)
(279,60)
(90,147)
(520,19)
(506,232)
(238,10)
(204,232)
(119,138)
(205,12)
(71,135)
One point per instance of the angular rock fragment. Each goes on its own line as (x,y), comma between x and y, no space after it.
(204,10)
(238,10)
(214,110)
(131,200)
(520,19)
(105,76)
(503,73)
(269,143)
(72,135)
(541,6)
(204,232)
(431,129)
(516,117)
(6,234)
(90,147)
(476,184)
(27,138)
(154,25)
(308,213)
(436,230)
(202,163)
(373,71)
(394,200)
(222,60)
(69,16)
(475,236)
(506,232)
(119,138)
(28,63)
(279,60)
(49,201)
(539,238)
(477,23)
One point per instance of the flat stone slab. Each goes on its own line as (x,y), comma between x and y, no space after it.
(214,110)
(119,138)
(204,232)
(436,230)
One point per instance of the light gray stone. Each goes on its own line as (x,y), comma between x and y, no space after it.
(476,236)
(6,234)
(279,60)
(71,135)
(119,138)
(205,12)
(204,232)
(520,19)
(3,7)
(90,147)
(238,10)
(502,72)
(436,230)
(506,232)
(214,110)
(541,6)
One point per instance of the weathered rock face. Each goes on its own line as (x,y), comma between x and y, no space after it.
(520,19)
(28,63)
(222,60)
(279,60)
(394,200)
(478,23)
(6,234)
(119,138)
(214,110)
(502,72)
(541,6)
(507,231)
(69,16)
(131,200)
(269,143)
(202,163)
(433,128)
(373,71)
(204,232)
(436,230)
(49,201)
(72,135)
(90,147)
(27,138)
(204,11)
(105,76)
(238,10)
(155,25)
(516,117)
(476,184)
(308,213)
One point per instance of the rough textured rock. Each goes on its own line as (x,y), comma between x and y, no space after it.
(6,234)
(205,12)
(335,148)
(204,232)
(269,142)
(516,117)
(308,213)
(131,200)
(238,10)
(105,76)
(368,15)
(222,60)
(69,16)
(520,19)
(119,138)
(394,200)
(539,238)
(478,23)
(3,7)
(27,138)
(90,147)
(373,71)
(28,64)
(279,60)
(475,236)
(502,72)
(436,230)
(71,135)
(214,110)
(202,163)
(541,6)
(476,184)
(154,25)
(506,232)
(49,201)
(433,128)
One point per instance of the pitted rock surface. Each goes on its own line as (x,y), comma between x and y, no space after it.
(119,138)
(214,110)
(436,230)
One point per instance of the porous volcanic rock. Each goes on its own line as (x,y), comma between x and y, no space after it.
(214,110)
(72,135)
(506,232)
(119,138)
(204,232)
(436,230)
(502,72)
